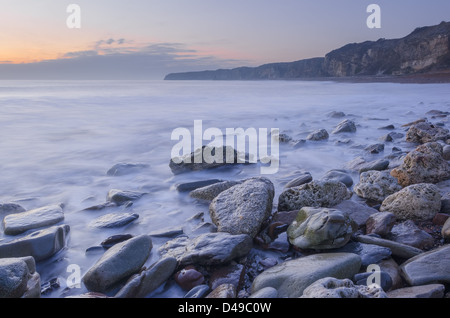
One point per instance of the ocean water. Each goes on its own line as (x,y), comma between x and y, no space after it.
(58,139)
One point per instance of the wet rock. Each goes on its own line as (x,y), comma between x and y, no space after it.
(338,175)
(440,218)
(9,208)
(102,206)
(391,267)
(380,223)
(388,127)
(344,127)
(230,274)
(445,232)
(208,249)
(199,291)
(18,223)
(445,203)
(376,185)
(330,287)
(119,262)
(243,208)
(313,194)
(336,114)
(50,286)
(223,291)
(121,197)
(18,278)
(292,277)
(190,186)
(40,244)
(321,228)
(408,233)
(446,152)
(359,212)
(148,280)
(425,164)
(366,279)
(418,202)
(208,193)
(206,158)
(374,149)
(425,291)
(361,165)
(317,135)
(424,132)
(303,178)
(397,249)
(113,240)
(167,232)
(122,169)
(429,267)
(113,220)
(188,278)
(386,138)
(369,253)
(268,292)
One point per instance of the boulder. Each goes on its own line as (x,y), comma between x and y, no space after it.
(317,135)
(418,202)
(244,207)
(313,194)
(209,192)
(360,165)
(208,249)
(338,175)
(428,268)
(374,149)
(380,223)
(425,131)
(9,208)
(321,228)
(141,284)
(121,197)
(446,152)
(191,186)
(119,262)
(292,277)
(330,287)
(345,126)
(302,178)
(376,185)
(425,164)
(409,233)
(40,244)
(445,232)
(18,223)
(369,253)
(18,278)
(359,212)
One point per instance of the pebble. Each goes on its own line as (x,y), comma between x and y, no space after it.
(188,278)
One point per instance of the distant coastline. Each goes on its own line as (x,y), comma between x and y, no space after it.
(423,56)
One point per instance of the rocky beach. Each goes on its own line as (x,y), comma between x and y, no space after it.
(375,226)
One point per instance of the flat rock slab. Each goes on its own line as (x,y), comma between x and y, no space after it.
(40,244)
(292,277)
(425,291)
(121,197)
(18,223)
(208,249)
(112,220)
(428,268)
(398,249)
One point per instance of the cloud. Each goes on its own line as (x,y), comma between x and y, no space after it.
(119,59)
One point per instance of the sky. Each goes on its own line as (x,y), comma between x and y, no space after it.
(147,39)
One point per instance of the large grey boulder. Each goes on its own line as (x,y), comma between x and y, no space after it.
(425,164)
(330,287)
(40,244)
(119,262)
(244,207)
(418,202)
(321,228)
(313,194)
(207,249)
(18,223)
(376,185)
(428,268)
(292,277)
(18,278)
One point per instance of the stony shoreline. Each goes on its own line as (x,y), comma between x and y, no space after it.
(328,237)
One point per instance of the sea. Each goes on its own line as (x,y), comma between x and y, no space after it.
(59,138)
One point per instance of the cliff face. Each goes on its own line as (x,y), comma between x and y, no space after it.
(424,50)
